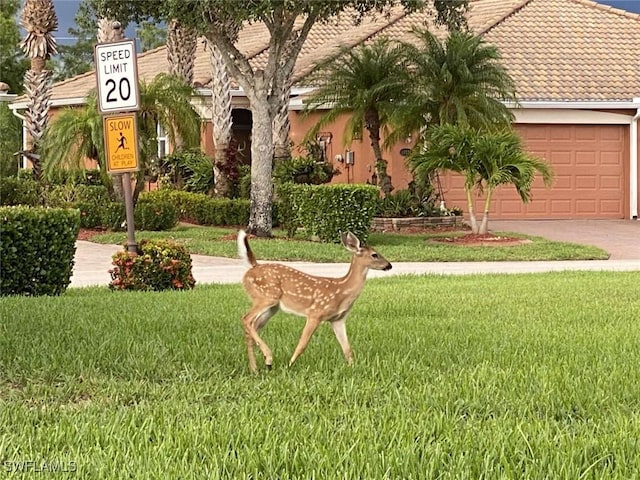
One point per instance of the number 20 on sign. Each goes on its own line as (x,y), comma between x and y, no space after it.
(117,77)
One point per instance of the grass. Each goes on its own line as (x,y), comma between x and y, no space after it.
(519,376)
(396,247)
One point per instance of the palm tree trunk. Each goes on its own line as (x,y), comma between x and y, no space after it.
(39,21)
(472,214)
(222,121)
(372,123)
(484,226)
(181,51)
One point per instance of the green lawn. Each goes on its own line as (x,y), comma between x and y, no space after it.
(395,247)
(490,376)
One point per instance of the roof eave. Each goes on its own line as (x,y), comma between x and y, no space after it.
(578,104)
(60,102)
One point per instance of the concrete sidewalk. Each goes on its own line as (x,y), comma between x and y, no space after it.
(620,238)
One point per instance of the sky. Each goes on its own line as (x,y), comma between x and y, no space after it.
(66,11)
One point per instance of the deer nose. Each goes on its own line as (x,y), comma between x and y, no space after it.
(387,267)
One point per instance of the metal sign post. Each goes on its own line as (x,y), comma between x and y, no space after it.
(117,79)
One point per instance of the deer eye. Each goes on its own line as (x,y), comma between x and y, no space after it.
(374,255)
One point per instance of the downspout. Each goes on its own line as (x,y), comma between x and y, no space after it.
(633,166)
(24,136)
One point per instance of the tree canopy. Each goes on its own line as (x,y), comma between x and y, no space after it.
(266,87)
(13,65)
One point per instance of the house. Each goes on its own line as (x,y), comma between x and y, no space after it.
(577,73)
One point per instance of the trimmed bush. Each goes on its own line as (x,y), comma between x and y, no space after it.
(91,200)
(114,216)
(324,211)
(37,249)
(20,191)
(203,210)
(155,214)
(159,265)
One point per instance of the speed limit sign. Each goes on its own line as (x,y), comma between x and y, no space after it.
(117,77)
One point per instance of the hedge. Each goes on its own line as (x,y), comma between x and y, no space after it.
(37,249)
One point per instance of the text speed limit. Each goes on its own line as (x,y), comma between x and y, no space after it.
(117,77)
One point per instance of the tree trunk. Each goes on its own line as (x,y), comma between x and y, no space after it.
(260,223)
(181,51)
(281,129)
(372,123)
(472,214)
(222,121)
(484,226)
(39,21)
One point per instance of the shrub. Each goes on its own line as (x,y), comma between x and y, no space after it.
(303,170)
(158,265)
(324,211)
(68,194)
(114,216)
(202,209)
(190,170)
(91,214)
(88,177)
(37,249)
(20,191)
(155,214)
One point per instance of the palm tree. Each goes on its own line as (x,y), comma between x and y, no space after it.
(447,147)
(501,160)
(365,83)
(486,159)
(77,133)
(39,20)
(458,81)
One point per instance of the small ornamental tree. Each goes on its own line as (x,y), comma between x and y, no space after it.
(485,159)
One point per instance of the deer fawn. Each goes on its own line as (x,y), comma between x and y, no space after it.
(272,286)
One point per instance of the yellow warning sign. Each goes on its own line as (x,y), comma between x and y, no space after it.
(121,143)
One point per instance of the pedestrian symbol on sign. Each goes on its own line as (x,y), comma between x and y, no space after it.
(122,140)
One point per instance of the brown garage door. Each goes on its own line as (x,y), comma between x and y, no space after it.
(588,162)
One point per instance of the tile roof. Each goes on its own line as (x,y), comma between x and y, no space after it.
(575,50)
(556,50)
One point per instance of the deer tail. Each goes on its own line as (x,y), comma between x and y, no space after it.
(244,250)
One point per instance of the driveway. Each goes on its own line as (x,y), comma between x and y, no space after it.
(621,238)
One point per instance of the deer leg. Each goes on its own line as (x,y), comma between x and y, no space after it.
(250,353)
(257,317)
(340,329)
(309,328)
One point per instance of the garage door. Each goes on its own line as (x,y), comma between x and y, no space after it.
(588,162)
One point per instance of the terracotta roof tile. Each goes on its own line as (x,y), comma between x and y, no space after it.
(570,50)
(561,50)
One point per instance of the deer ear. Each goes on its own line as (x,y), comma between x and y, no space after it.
(350,242)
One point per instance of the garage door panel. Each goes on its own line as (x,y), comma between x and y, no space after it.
(586,182)
(610,206)
(611,158)
(585,158)
(557,157)
(610,182)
